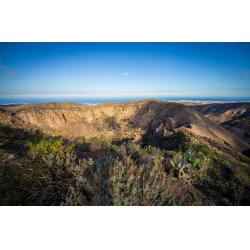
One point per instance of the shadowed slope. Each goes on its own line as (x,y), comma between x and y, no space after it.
(234,117)
(149,119)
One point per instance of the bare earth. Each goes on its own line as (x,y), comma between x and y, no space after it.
(165,125)
(149,120)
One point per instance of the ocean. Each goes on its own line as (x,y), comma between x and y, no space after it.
(99,99)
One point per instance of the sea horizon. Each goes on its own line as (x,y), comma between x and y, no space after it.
(99,99)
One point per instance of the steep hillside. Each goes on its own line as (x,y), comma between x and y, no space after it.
(144,121)
(234,117)
(148,152)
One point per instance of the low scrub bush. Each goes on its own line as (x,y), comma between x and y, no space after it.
(198,148)
(44,147)
(28,182)
(245,159)
(116,182)
(99,144)
(242,178)
(16,198)
(7,129)
(144,155)
(41,147)
(151,154)
(20,133)
(201,165)
(80,143)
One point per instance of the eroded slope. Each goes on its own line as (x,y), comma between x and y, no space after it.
(234,117)
(146,120)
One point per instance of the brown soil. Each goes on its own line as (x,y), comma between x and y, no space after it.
(234,117)
(148,120)
(152,122)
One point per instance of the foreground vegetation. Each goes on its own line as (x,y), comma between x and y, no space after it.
(36,169)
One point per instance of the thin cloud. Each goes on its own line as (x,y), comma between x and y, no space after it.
(3,77)
(10,73)
(126,74)
(2,67)
(247,73)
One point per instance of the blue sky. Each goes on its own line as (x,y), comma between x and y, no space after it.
(171,69)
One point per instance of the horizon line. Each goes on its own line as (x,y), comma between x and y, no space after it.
(113,95)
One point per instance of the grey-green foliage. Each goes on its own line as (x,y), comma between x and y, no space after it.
(190,152)
(93,177)
(73,198)
(61,165)
(120,183)
(89,177)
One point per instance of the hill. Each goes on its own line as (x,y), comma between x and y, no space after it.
(234,117)
(147,152)
(147,121)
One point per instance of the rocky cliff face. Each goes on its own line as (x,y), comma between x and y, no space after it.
(151,120)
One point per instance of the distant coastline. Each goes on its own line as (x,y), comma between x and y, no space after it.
(186,102)
(17,100)
(11,104)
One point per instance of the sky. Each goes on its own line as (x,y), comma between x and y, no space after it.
(79,69)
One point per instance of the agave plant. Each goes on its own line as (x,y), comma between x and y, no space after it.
(190,152)
(175,166)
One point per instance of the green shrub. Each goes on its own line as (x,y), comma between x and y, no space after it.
(20,133)
(7,130)
(242,178)
(245,159)
(16,198)
(4,156)
(99,144)
(199,148)
(70,148)
(44,147)
(6,187)
(40,147)
(30,182)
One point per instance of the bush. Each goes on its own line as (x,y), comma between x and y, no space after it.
(122,183)
(41,147)
(80,143)
(16,198)
(132,150)
(28,182)
(144,155)
(44,147)
(7,130)
(99,144)
(151,154)
(199,148)
(245,159)
(21,134)
(242,178)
